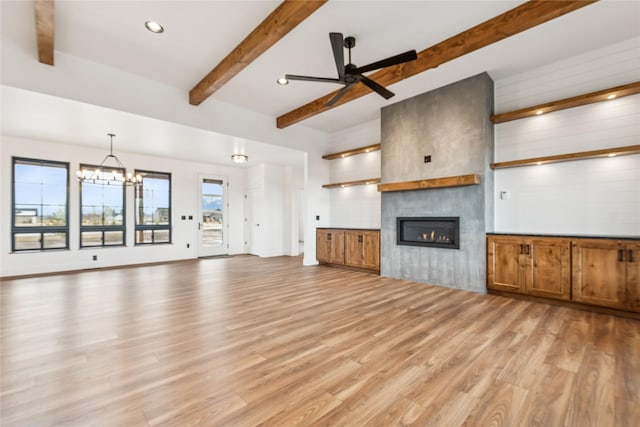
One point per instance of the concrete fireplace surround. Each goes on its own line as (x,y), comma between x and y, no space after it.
(452,125)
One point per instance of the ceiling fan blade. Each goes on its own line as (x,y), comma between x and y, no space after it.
(339,95)
(337,42)
(311,79)
(393,60)
(381,90)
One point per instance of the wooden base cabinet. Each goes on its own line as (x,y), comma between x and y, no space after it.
(362,249)
(330,246)
(349,247)
(606,273)
(602,273)
(528,265)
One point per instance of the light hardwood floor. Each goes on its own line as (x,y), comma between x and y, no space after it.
(244,341)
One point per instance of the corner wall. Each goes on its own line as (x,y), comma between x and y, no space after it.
(452,124)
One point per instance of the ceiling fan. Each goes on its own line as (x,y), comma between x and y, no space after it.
(350,74)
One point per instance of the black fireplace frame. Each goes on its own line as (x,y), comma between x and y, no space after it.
(452,245)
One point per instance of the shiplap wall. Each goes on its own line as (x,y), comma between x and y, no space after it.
(585,197)
(357,206)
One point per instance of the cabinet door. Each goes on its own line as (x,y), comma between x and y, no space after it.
(353,248)
(371,250)
(504,257)
(551,268)
(323,245)
(633,275)
(336,237)
(599,272)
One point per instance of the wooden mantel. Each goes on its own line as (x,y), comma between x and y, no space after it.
(424,184)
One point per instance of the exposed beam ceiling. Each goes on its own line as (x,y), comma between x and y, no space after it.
(512,22)
(44,16)
(283,19)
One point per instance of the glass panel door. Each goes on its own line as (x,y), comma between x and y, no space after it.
(211,220)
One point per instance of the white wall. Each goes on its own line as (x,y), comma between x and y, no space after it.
(584,197)
(316,200)
(185,199)
(272,192)
(357,206)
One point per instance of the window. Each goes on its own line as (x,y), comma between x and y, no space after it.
(102,211)
(153,208)
(40,217)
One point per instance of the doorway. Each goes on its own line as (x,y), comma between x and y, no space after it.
(212,222)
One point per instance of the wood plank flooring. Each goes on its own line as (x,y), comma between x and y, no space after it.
(244,341)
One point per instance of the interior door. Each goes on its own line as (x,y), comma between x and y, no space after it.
(252,230)
(212,223)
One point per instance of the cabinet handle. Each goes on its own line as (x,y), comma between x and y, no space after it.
(620,255)
(360,238)
(521,249)
(631,256)
(527,249)
(329,236)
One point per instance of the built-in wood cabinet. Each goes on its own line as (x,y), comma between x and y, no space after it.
(534,266)
(606,272)
(330,246)
(349,247)
(362,249)
(598,272)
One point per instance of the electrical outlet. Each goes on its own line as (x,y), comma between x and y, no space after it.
(317,217)
(427,159)
(95,257)
(188,245)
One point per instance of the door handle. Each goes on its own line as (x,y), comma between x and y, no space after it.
(631,256)
(199,225)
(620,255)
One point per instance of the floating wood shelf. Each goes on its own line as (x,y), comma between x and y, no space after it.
(424,184)
(562,104)
(352,183)
(608,152)
(359,150)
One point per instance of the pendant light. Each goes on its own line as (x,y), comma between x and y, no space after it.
(110,171)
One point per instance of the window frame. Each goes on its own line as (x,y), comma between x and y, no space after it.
(103,228)
(43,229)
(153,228)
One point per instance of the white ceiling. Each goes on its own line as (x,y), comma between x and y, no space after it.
(198,34)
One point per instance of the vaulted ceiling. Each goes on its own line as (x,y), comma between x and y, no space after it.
(199,34)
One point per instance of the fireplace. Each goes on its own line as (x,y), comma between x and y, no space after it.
(439,232)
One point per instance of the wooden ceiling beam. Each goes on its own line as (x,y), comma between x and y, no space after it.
(274,27)
(514,21)
(45,29)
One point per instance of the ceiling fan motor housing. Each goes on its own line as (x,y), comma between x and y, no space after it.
(349,42)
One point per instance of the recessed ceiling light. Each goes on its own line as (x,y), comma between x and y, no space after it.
(282,81)
(613,95)
(154,27)
(539,112)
